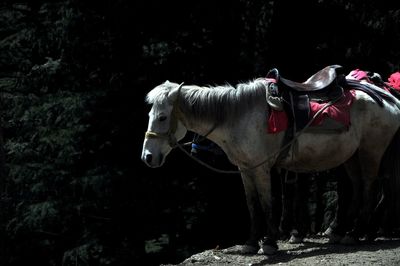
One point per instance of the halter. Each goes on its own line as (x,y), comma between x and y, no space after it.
(170,134)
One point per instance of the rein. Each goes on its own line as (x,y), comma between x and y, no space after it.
(181,147)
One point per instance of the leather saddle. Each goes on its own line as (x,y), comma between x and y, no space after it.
(294,97)
(323,79)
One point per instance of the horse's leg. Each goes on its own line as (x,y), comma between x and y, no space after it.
(370,170)
(257,184)
(341,223)
(255,211)
(363,170)
(286,221)
(301,211)
(262,179)
(347,212)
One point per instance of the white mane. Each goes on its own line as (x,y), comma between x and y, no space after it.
(219,103)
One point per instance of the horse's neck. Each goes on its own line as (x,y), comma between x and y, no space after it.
(216,123)
(208,129)
(191,123)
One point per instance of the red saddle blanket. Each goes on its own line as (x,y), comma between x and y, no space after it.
(339,111)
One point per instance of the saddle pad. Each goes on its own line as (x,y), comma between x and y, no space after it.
(394,80)
(339,111)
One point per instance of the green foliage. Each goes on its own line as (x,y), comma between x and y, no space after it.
(47,107)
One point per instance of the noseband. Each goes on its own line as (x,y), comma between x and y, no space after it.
(169,135)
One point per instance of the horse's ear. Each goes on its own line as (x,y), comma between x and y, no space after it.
(173,94)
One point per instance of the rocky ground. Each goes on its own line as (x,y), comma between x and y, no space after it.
(314,251)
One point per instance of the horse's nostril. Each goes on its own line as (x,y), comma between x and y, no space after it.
(149,158)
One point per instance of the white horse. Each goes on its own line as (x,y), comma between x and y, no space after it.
(236,119)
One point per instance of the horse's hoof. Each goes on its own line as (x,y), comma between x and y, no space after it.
(328,232)
(268,246)
(348,240)
(334,238)
(295,240)
(267,250)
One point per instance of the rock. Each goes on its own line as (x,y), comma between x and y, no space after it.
(313,251)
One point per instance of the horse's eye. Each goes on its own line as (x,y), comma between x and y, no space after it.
(162,118)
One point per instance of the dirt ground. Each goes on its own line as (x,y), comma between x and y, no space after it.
(314,251)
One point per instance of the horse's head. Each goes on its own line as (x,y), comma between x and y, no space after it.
(164,129)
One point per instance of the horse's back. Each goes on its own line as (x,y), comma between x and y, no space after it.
(371,130)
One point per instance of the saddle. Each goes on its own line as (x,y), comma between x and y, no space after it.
(325,85)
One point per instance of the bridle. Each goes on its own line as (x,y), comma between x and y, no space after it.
(170,134)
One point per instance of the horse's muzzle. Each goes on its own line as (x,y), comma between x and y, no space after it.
(152,161)
(148,158)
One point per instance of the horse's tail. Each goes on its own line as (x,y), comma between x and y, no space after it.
(391,181)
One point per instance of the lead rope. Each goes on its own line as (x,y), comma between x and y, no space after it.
(296,136)
(180,146)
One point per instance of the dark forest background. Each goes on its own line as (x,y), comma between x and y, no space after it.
(73,77)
